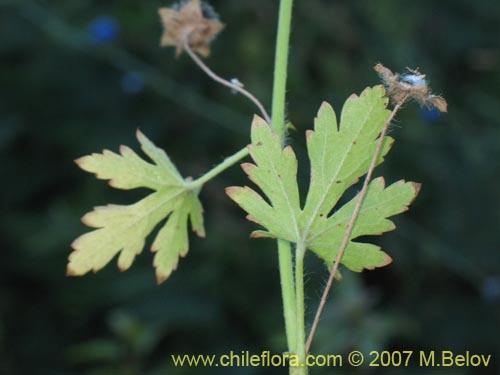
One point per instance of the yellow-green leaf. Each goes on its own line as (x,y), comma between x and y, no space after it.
(379,204)
(123,229)
(340,155)
(275,173)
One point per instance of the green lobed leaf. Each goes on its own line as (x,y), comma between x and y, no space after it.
(123,229)
(379,204)
(275,173)
(128,171)
(339,156)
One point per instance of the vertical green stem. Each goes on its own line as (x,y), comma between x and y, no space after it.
(281,67)
(288,292)
(292,290)
(278,123)
(300,348)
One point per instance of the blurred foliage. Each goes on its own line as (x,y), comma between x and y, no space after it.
(79,76)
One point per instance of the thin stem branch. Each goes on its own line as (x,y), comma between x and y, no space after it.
(227,163)
(225,82)
(281,67)
(350,227)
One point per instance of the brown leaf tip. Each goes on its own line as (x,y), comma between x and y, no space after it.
(124,149)
(70,272)
(191,21)
(160,279)
(248,167)
(232,191)
(411,85)
(325,106)
(387,261)
(252,219)
(417,186)
(80,161)
(200,233)
(258,121)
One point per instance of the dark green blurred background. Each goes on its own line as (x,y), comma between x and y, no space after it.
(79,76)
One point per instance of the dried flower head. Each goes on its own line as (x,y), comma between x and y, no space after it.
(190,22)
(410,85)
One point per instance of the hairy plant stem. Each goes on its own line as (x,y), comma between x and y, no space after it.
(237,87)
(227,163)
(352,221)
(292,290)
(288,292)
(281,67)
(300,346)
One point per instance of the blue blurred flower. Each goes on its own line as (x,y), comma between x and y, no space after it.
(491,289)
(132,83)
(430,115)
(103,29)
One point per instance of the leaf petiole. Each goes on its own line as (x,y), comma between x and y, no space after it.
(226,163)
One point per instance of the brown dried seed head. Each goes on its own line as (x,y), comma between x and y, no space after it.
(386,75)
(439,103)
(187,23)
(409,86)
